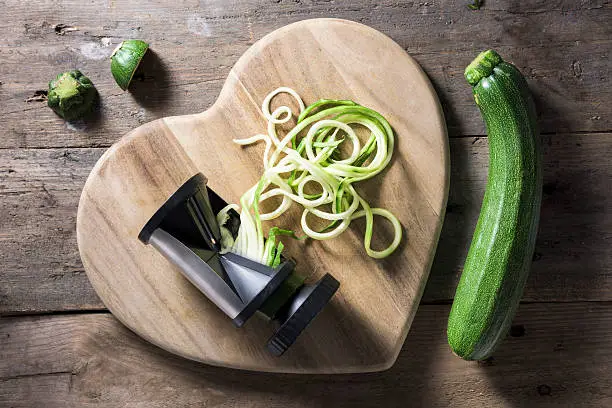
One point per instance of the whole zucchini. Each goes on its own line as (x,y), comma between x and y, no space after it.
(500,255)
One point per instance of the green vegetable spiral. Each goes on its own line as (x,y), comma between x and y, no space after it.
(310,153)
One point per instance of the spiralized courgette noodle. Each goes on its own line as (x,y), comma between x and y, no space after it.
(310,153)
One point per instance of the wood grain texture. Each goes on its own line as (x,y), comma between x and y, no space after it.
(558,356)
(363,327)
(562,46)
(133,179)
(42,270)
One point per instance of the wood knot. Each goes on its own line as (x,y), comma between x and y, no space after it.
(62,29)
(39,96)
(577,69)
(544,389)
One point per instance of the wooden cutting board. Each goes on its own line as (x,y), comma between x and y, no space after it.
(364,326)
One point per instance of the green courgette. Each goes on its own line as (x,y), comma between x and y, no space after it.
(125,60)
(500,255)
(71,95)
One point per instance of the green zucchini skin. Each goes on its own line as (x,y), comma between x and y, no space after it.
(499,258)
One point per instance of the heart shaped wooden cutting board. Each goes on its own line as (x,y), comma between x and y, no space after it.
(364,326)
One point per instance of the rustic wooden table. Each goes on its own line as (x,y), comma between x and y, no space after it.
(59,347)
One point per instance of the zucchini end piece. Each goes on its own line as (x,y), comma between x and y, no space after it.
(482,66)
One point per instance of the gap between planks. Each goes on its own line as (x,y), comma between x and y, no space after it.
(466,136)
(442,302)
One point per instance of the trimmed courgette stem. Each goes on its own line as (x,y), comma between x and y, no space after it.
(500,255)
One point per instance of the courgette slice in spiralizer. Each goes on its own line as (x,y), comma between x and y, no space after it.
(499,258)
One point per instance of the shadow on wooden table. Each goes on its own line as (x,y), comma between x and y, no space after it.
(121,368)
(556,355)
(151,84)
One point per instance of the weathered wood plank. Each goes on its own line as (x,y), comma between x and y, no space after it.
(39,193)
(562,47)
(559,356)
(42,269)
